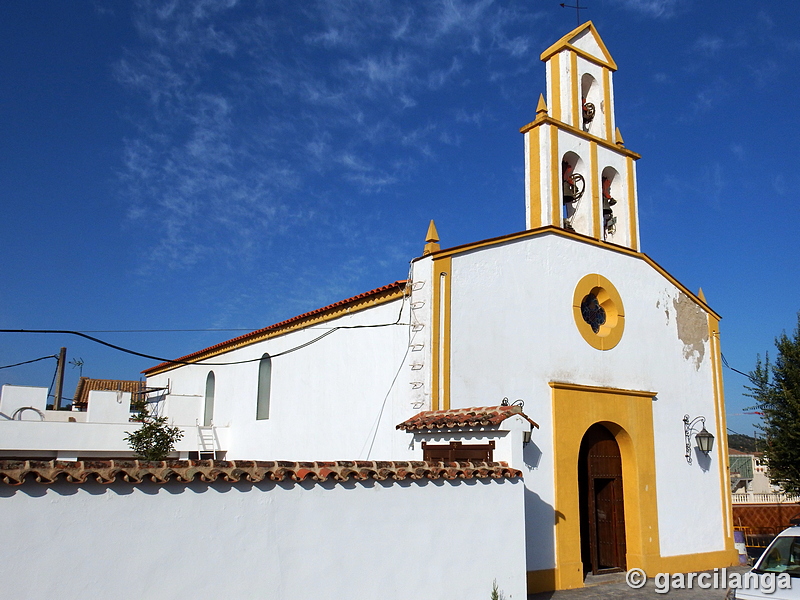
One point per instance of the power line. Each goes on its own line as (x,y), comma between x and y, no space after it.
(725,362)
(27,362)
(186,362)
(167,330)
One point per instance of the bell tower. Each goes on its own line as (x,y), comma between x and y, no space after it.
(578,174)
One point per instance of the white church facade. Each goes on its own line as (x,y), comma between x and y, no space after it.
(568,315)
(617,364)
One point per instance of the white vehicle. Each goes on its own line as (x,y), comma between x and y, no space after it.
(776,574)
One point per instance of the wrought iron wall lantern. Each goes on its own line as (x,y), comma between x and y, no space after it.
(704,439)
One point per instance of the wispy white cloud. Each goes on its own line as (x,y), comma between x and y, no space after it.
(652,8)
(709,44)
(244,111)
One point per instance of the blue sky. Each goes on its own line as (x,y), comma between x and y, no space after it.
(210,165)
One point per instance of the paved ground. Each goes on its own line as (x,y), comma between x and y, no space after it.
(613,587)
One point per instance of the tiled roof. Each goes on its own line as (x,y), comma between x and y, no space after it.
(86,385)
(16,472)
(463,417)
(399,285)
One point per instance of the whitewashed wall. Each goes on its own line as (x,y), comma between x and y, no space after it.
(336,399)
(513,331)
(431,539)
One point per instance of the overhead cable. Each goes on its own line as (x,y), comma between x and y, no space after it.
(27,362)
(188,362)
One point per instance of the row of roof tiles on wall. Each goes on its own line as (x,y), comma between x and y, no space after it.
(16,472)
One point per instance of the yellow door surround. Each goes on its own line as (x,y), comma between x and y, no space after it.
(628,415)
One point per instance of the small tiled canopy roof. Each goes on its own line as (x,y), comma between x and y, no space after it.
(486,416)
(16,472)
(86,385)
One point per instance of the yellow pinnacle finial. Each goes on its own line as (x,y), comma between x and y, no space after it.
(431,239)
(618,138)
(541,107)
(701,295)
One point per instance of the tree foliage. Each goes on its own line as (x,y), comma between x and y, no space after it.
(776,390)
(155,439)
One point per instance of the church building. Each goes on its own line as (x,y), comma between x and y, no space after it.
(562,349)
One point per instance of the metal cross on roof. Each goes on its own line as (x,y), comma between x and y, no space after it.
(578,8)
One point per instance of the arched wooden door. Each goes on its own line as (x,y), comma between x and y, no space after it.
(602,506)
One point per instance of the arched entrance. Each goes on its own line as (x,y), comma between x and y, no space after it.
(601,502)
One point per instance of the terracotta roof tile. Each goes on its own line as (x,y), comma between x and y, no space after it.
(486,416)
(86,385)
(16,472)
(256,333)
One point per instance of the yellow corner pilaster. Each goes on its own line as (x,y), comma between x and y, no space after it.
(633,217)
(534,208)
(596,200)
(722,431)
(555,175)
(607,109)
(555,96)
(440,344)
(577,112)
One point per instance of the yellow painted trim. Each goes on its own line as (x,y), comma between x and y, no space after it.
(555,179)
(576,387)
(580,133)
(310,321)
(555,80)
(611,331)
(607,108)
(543,580)
(633,213)
(722,431)
(551,230)
(440,332)
(566,42)
(701,561)
(535,180)
(577,113)
(596,200)
(629,417)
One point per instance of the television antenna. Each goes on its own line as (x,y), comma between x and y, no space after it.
(77,362)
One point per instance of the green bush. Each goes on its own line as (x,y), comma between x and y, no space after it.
(154,440)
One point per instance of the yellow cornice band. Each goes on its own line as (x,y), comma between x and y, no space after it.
(587,136)
(551,230)
(562,385)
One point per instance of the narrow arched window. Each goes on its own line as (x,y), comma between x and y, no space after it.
(572,187)
(264,381)
(208,406)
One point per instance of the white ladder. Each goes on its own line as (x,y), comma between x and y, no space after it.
(206,441)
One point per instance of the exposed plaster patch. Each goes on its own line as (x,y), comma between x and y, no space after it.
(692,328)
(666,309)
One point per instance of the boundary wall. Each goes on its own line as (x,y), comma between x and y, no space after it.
(381,533)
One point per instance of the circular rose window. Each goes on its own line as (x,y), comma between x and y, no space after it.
(598,312)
